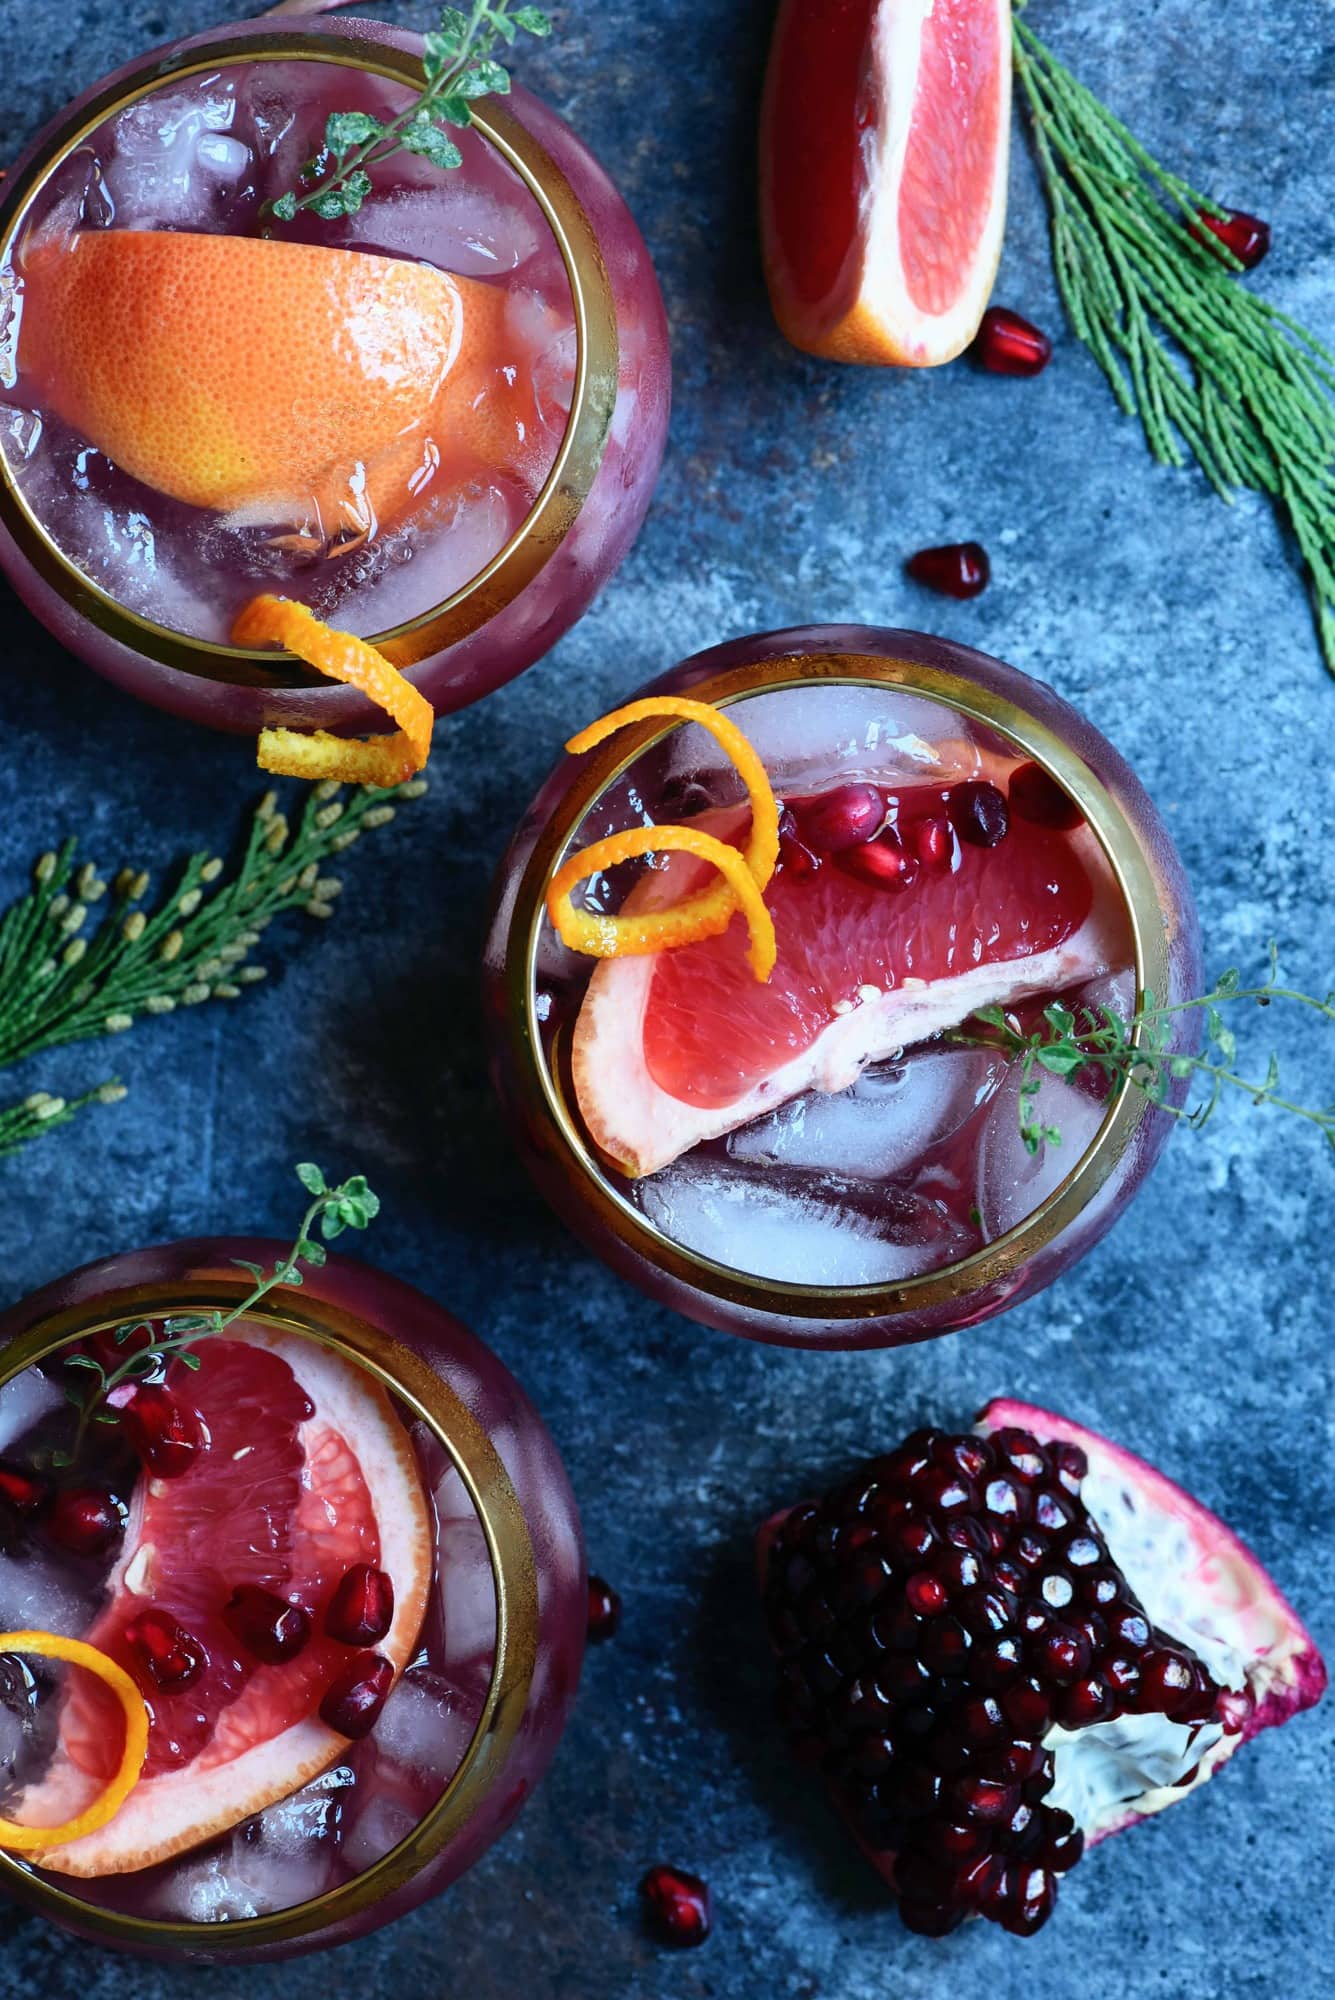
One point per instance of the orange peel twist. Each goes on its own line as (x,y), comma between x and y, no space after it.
(380,760)
(744,873)
(78,1653)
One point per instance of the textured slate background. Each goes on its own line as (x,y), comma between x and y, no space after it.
(1200,1332)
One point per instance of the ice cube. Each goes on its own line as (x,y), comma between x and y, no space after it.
(468,230)
(226,157)
(24,1400)
(1013,1182)
(885,1125)
(425,1726)
(152,173)
(467,1591)
(810,738)
(383,1820)
(38,1596)
(798,1232)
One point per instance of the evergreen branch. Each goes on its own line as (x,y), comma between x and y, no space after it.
(459,66)
(61,983)
(1211,370)
(1137,1052)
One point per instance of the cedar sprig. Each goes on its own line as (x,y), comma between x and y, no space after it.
(1138,1052)
(1211,369)
(148,1346)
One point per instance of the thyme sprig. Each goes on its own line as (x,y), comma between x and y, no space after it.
(459,66)
(148,1346)
(62,980)
(1209,368)
(1138,1052)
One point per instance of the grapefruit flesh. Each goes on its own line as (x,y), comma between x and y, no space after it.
(280,384)
(883,154)
(307,1472)
(672,1050)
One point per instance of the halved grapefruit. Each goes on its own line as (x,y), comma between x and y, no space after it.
(307,1472)
(884,137)
(672,1050)
(280,384)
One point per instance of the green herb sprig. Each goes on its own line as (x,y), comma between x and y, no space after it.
(61,980)
(350,1205)
(1137,1052)
(459,65)
(1209,368)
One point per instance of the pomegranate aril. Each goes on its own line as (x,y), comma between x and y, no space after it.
(271,1627)
(167,1434)
(1084,1703)
(955,569)
(166,1654)
(1006,344)
(1027,1707)
(884,861)
(1030,1903)
(85,1519)
(794,855)
(1040,799)
(1247,236)
(934,843)
(677,1905)
(604,1611)
(353,1700)
(843,818)
(978,813)
(23,1491)
(361,1609)
(1063,1844)
(983,1799)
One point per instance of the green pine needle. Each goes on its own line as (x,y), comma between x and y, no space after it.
(67,977)
(1210,369)
(459,66)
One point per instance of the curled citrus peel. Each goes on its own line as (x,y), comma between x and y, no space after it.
(77,1652)
(744,872)
(380,760)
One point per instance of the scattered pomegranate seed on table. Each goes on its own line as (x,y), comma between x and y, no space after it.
(604,1610)
(1006,344)
(361,1610)
(1247,236)
(677,1905)
(955,569)
(85,1519)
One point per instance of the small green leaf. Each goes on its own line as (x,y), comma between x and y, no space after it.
(60,1459)
(532,20)
(331,1225)
(86,1361)
(483,79)
(1228,983)
(106,1417)
(430,143)
(1061,1061)
(345,130)
(188,1358)
(438,55)
(1181,1066)
(311,1179)
(454,110)
(130,1328)
(256,1270)
(313,1254)
(285,208)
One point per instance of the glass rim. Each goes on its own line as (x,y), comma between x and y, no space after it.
(514,1577)
(543,1100)
(564,491)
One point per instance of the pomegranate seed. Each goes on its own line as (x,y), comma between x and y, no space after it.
(1245,235)
(935,845)
(843,818)
(927,1594)
(677,1905)
(1037,797)
(1065,1842)
(86,1519)
(798,859)
(271,1627)
(884,861)
(956,569)
(353,1700)
(361,1610)
(1005,344)
(166,1652)
(165,1432)
(604,1610)
(24,1492)
(979,815)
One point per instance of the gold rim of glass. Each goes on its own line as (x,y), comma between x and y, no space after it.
(567,485)
(514,1576)
(543,1101)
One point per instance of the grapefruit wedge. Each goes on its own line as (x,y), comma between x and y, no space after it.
(884,136)
(283,384)
(672,1050)
(307,1472)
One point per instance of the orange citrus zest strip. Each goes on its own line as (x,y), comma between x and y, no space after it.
(711,910)
(381,760)
(602,936)
(51,1646)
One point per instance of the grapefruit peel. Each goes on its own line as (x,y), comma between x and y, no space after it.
(78,1653)
(745,872)
(379,760)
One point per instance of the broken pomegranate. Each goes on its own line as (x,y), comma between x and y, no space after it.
(1003,1646)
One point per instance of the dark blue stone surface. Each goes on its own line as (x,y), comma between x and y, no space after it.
(1200,1332)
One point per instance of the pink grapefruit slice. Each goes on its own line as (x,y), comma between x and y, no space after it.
(884,137)
(676,1049)
(308,1471)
